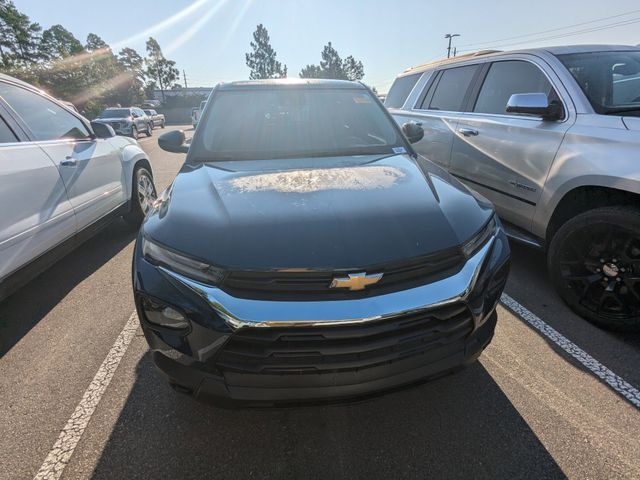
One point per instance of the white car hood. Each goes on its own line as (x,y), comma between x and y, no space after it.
(632,123)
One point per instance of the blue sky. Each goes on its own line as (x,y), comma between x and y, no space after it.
(208,38)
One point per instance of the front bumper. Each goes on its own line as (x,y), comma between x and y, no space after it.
(211,361)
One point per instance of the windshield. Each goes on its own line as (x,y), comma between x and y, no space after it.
(115,113)
(296,122)
(611,80)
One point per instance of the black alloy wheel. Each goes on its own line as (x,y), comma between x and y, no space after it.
(594,261)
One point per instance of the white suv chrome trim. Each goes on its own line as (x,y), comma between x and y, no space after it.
(241,312)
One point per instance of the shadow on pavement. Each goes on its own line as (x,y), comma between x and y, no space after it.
(461,426)
(22,310)
(529,284)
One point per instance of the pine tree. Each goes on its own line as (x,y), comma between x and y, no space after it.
(332,66)
(262,60)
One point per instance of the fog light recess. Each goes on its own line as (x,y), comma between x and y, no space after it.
(164,315)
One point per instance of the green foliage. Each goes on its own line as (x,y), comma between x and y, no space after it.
(57,42)
(89,75)
(262,60)
(332,66)
(19,37)
(159,68)
(95,42)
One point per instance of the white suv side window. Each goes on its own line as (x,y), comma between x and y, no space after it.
(506,78)
(46,120)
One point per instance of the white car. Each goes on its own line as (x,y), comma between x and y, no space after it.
(62,178)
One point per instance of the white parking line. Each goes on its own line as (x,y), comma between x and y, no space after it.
(70,435)
(617,383)
(63,449)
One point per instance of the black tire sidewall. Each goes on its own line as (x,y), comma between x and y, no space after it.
(627,216)
(134,133)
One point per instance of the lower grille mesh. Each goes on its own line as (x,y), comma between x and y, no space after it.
(312,350)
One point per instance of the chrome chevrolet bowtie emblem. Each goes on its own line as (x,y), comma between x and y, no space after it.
(356,281)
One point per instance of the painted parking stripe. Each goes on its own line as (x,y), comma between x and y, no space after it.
(70,435)
(617,383)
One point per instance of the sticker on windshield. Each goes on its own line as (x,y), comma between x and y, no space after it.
(362,99)
(399,150)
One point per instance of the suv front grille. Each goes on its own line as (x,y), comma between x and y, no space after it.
(345,348)
(397,276)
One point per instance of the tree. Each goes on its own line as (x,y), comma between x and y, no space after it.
(58,42)
(131,61)
(95,43)
(19,37)
(159,68)
(133,65)
(352,68)
(332,66)
(331,63)
(311,71)
(262,60)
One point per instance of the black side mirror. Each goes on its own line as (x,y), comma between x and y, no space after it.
(413,131)
(173,141)
(534,104)
(102,130)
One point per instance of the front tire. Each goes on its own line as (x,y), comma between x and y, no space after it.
(134,133)
(594,263)
(143,194)
(149,130)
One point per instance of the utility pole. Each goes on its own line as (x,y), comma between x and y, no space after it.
(450,36)
(184,75)
(455,51)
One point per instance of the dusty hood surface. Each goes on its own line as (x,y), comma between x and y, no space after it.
(344,212)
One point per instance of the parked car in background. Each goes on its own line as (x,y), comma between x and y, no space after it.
(62,178)
(305,252)
(196,112)
(551,136)
(157,119)
(127,121)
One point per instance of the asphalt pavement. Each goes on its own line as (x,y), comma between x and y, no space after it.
(551,397)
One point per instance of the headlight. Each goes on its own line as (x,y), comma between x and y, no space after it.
(189,267)
(470,247)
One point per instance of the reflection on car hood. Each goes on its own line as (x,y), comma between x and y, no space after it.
(339,212)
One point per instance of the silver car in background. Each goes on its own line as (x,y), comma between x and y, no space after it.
(61,180)
(552,137)
(131,121)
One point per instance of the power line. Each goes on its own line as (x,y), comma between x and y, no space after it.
(564,35)
(487,43)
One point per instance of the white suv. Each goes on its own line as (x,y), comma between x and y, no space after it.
(61,179)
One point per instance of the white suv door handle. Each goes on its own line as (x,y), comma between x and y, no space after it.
(69,162)
(468,132)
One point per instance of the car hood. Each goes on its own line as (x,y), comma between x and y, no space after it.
(632,123)
(339,212)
